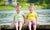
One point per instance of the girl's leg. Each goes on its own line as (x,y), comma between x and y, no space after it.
(20,25)
(29,24)
(34,26)
(16,24)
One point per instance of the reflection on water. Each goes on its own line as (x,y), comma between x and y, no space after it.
(7,16)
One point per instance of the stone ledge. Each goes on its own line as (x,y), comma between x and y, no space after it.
(10,26)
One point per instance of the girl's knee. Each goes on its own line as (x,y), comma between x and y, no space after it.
(34,26)
(20,24)
(29,24)
(16,24)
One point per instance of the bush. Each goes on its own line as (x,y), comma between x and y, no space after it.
(2,3)
(48,6)
(45,6)
(36,3)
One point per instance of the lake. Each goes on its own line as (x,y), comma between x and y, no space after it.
(7,16)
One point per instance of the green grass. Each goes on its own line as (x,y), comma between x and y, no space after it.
(6,8)
(13,8)
(37,7)
(25,8)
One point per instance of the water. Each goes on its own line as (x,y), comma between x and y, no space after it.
(43,15)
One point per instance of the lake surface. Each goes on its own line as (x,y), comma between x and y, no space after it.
(43,15)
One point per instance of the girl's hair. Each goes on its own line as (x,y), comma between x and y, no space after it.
(31,5)
(17,5)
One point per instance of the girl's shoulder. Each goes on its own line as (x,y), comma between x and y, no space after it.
(35,13)
(27,13)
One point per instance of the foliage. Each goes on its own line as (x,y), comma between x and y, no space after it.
(48,6)
(2,2)
(7,8)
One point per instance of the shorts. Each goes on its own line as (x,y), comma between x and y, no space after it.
(19,22)
(32,22)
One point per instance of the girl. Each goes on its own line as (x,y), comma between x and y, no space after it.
(32,17)
(18,17)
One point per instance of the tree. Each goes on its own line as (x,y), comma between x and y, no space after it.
(1,0)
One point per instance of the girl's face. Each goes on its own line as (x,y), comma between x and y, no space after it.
(31,9)
(18,9)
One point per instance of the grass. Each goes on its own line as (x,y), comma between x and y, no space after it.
(25,8)
(37,7)
(13,8)
(7,8)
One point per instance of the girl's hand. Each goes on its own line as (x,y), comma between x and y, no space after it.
(24,22)
(37,23)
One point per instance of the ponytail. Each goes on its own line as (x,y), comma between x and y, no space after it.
(17,5)
(31,5)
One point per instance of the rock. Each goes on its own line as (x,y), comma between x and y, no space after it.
(9,26)
(0,26)
(43,26)
(40,26)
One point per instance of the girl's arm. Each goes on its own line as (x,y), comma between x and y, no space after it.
(36,20)
(14,19)
(24,18)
